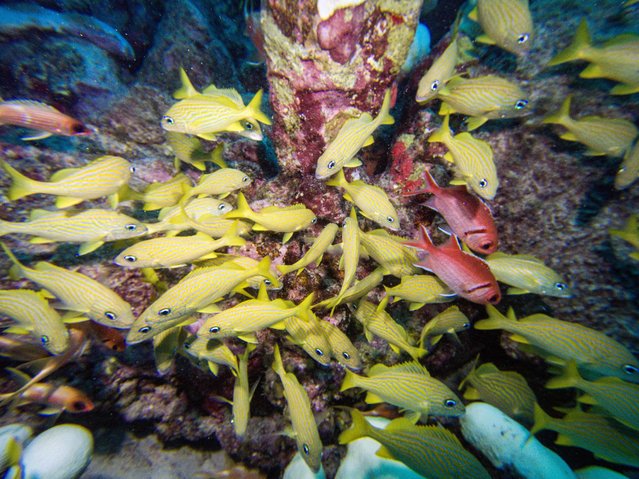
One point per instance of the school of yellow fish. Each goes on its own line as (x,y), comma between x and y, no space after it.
(591,362)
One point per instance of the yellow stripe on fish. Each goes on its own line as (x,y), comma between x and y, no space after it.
(309,335)
(419,290)
(242,395)
(307,438)
(359,289)
(389,252)
(450,321)
(221,182)
(442,70)
(350,253)
(33,313)
(202,214)
(77,292)
(628,171)
(101,177)
(255,282)
(342,348)
(506,23)
(315,252)
(162,195)
(214,352)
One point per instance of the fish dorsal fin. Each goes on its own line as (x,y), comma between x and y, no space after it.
(273,208)
(487,368)
(411,367)
(62,174)
(442,434)
(400,423)
(230,93)
(378,369)
(621,39)
(452,243)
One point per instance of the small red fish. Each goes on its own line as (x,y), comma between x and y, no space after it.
(465,274)
(468,216)
(40,116)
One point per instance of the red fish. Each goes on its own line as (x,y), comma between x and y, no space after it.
(468,216)
(465,274)
(40,116)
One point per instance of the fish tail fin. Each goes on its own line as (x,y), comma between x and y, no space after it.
(423,240)
(338,179)
(495,320)
(384,116)
(243,210)
(217,156)
(254,107)
(264,269)
(21,186)
(278,365)
(359,428)
(442,134)
(187,90)
(542,420)
(349,382)
(561,116)
(17,270)
(578,49)
(568,379)
(305,306)
(231,238)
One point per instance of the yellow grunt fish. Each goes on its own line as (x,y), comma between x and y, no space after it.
(440,72)
(389,252)
(527,274)
(308,334)
(450,321)
(187,149)
(408,386)
(629,233)
(419,290)
(33,314)
(171,252)
(305,432)
(255,282)
(214,352)
(506,390)
(590,349)
(285,220)
(162,195)
(354,134)
(628,171)
(91,227)
(101,177)
(616,59)
(431,451)
(602,136)
(166,345)
(371,200)
(200,214)
(359,289)
(220,183)
(506,23)
(77,292)
(472,158)
(350,253)
(482,98)
(342,348)
(315,252)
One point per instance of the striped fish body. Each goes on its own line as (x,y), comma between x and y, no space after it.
(162,195)
(420,289)
(360,289)
(628,171)
(449,321)
(31,311)
(187,149)
(354,134)
(527,273)
(351,237)
(212,351)
(590,349)
(315,252)
(408,386)
(506,390)
(604,437)
(241,397)
(204,215)
(442,69)
(41,117)
(389,252)
(342,348)
(307,437)
(507,23)
(220,182)
(431,451)
(255,282)
(465,274)
(309,335)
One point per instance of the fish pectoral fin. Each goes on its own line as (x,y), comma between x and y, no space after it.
(353,162)
(89,247)
(475,122)
(207,136)
(259,227)
(372,398)
(415,306)
(38,136)
(16,330)
(594,153)
(249,338)
(563,440)
(516,291)
(73,317)
(210,309)
(568,136)
(287,237)
(62,202)
(446,109)
(396,349)
(473,15)
(369,141)
(592,71)
(520,339)
(413,416)
(485,39)
(471,394)
(235,127)
(624,89)
(213,367)
(384,453)
(280,325)
(448,157)
(39,240)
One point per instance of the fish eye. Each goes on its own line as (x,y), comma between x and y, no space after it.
(390,219)
(214,329)
(78,406)
(346,355)
(435,85)
(245,179)
(248,125)
(630,369)
(168,120)
(110,315)
(130,258)
(331,165)
(466,325)
(221,206)
(487,245)
(314,220)
(494,299)
(523,38)
(521,104)
(306,449)
(268,282)
(450,403)
(44,339)
(622,169)
(132,169)
(187,345)
(483,183)
(319,352)
(561,286)
(164,312)
(144,329)
(130,227)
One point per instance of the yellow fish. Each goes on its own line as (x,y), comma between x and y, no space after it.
(162,195)
(616,59)
(308,334)
(91,227)
(482,98)
(360,289)
(350,253)
(408,386)
(389,252)
(255,282)
(506,23)
(220,183)
(214,352)
(342,348)
(101,177)
(171,252)
(372,201)
(187,149)
(77,292)
(419,290)
(442,70)
(33,313)
(166,345)
(628,171)
(472,158)
(354,134)
(527,274)
(431,451)
(200,214)
(285,220)
(602,136)
(307,438)
(315,252)
(629,233)
(450,321)
(592,350)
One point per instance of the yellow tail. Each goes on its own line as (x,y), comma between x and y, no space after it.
(577,50)
(561,116)
(254,107)
(360,428)
(22,186)
(442,134)
(187,90)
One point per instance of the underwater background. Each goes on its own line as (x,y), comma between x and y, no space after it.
(153,409)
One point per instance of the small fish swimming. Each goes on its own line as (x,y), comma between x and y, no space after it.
(472,159)
(41,117)
(305,431)
(592,350)
(450,321)
(419,290)
(468,217)
(359,289)
(442,70)
(309,335)
(602,136)
(389,252)
(465,274)
(354,134)
(92,227)
(342,348)
(629,233)
(350,253)
(372,201)
(220,183)
(506,23)
(254,282)
(628,171)
(616,59)
(214,352)
(104,176)
(315,252)
(162,195)
(201,214)
(527,274)
(431,451)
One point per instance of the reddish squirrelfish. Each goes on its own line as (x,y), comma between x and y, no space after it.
(467,215)
(40,116)
(467,275)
